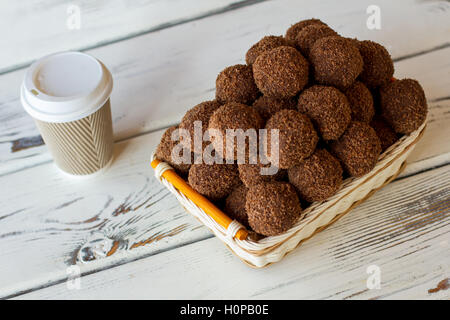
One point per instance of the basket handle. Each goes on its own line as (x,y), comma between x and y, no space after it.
(207,206)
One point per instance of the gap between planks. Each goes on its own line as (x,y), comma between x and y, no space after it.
(124,256)
(335,269)
(92,271)
(152,131)
(130,126)
(169,24)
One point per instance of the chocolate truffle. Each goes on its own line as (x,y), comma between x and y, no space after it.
(328,109)
(250,174)
(297,138)
(310,34)
(233,116)
(281,72)
(361,102)
(384,132)
(358,148)
(378,66)
(265,44)
(235,205)
(201,112)
(214,181)
(164,152)
(403,105)
(267,106)
(272,207)
(354,41)
(294,29)
(336,61)
(236,84)
(317,177)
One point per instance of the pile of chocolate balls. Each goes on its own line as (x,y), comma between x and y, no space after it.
(335,104)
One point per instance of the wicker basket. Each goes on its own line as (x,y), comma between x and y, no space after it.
(315,218)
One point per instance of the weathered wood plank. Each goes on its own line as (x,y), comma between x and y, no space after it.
(434,148)
(159,75)
(40,238)
(403,230)
(117,217)
(86,24)
(48,222)
(24,148)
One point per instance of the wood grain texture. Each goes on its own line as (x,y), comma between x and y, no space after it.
(403,229)
(49,222)
(120,216)
(24,37)
(160,75)
(125,215)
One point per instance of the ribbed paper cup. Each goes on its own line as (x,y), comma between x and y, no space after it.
(67,94)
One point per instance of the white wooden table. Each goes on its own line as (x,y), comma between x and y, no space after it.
(128,237)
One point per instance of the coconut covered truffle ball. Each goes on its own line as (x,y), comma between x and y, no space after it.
(281,72)
(251,174)
(336,61)
(267,106)
(164,151)
(361,102)
(403,105)
(235,205)
(297,138)
(236,84)
(292,32)
(358,148)
(354,41)
(378,66)
(317,177)
(384,132)
(328,109)
(310,34)
(214,181)
(233,116)
(272,207)
(265,44)
(201,112)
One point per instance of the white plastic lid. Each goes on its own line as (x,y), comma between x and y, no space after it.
(65,87)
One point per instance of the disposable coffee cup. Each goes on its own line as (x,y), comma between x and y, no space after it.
(67,94)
